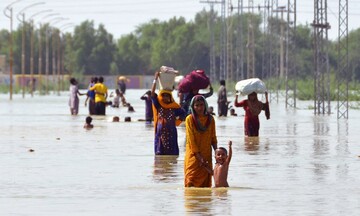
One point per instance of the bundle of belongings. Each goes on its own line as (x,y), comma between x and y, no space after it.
(167,78)
(195,80)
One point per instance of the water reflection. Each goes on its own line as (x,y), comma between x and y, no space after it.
(198,200)
(165,168)
(251,144)
(221,193)
(342,148)
(321,147)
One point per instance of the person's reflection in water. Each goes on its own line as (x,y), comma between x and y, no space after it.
(164,168)
(198,200)
(251,144)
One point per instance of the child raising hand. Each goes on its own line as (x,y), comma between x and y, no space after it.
(222,166)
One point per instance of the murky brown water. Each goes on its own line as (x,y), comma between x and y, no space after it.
(301,165)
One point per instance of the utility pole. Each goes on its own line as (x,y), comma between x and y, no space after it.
(343,59)
(223,42)
(281,9)
(229,42)
(251,43)
(23,53)
(321,58)
(290,59)
(239,43)
(274,82)
(22,20)
(212,39)
(47,56)
(54,39)
(40,59)
(8,12)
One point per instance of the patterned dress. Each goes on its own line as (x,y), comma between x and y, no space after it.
(165,142)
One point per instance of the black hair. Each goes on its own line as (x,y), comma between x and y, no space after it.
(101,79)
(73,81)
(224,149)
(88,119)
(222,82)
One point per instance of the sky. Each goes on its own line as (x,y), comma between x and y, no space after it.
(121,17)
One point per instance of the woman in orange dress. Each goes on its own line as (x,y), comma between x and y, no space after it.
(200,139)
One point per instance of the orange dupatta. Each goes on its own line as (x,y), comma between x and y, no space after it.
(172,105)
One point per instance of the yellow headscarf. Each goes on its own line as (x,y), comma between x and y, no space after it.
(171,105)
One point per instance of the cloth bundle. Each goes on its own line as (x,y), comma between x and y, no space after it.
(167,78)
(248,86)
(195,80)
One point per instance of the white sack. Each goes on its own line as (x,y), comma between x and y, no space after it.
(248,86)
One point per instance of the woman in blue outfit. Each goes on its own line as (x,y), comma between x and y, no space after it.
(167,115)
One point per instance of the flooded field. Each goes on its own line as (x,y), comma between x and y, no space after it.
(301,165)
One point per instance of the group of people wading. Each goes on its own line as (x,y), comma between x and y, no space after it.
(200,127)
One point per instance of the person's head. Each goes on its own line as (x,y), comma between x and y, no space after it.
(220,155)
(73,81)
(127,119)
(96,79)
(166,96)
(148,92)
(222,82)
(211,109)
(252,96)
(116,119)
(88,120)
(198,105)
(117,92)
(232,111)
(101,79)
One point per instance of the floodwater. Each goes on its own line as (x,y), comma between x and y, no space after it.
(301,165)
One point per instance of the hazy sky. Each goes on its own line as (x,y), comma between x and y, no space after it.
(123,16)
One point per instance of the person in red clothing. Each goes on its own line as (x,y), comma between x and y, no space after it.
(253,107)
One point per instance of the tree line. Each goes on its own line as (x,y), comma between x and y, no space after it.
(184,45)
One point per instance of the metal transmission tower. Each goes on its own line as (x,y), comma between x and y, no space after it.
(212,44)
(274,44)
(212,39)
(251,43)
(229,66)
(223,42)
(239,43)
(266,41)
(290,59)
(321,58)
(343,59)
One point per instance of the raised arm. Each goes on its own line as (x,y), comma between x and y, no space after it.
(236,99)
(266,97)
(230,152)
(154,84)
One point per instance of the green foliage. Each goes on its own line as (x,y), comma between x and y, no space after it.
(184,45)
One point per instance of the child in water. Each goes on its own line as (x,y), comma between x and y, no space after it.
(222,166)
(88,124)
